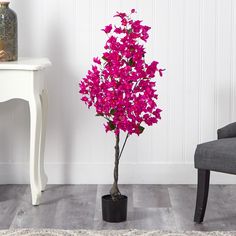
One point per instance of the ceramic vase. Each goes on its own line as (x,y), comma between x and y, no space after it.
(8,33)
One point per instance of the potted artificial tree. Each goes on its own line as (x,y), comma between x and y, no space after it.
(122,89)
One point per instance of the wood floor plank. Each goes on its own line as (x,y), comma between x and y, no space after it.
(77,209)
(139,217)
(150,207)
(153,219)
(11,197)
(183,199)
(220,211)
(42,216)
(62,206)
(151,196)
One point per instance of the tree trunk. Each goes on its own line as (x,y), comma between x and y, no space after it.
(115,192)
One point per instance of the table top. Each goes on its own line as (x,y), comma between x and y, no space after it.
(32,64)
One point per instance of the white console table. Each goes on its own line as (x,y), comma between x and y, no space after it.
(24,79)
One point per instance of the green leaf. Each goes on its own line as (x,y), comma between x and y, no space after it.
(104,58)
(99,114)
(129,31)
(141,129)
(131,62)
(111,125)
(131,48)
(112,111)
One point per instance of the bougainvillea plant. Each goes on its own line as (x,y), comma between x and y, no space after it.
(121,85)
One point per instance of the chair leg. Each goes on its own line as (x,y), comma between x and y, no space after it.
(202,195)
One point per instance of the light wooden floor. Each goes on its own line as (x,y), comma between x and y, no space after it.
(149,207)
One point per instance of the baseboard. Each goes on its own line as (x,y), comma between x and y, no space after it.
(101,173)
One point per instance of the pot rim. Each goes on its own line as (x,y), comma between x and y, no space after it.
(108,197)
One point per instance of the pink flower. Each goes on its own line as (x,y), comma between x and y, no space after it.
(108,29)
(97,60)
(85,99)
(120,14)
(118,30)
(124,22)
(122,89)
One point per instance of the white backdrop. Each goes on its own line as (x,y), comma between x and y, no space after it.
(193,39)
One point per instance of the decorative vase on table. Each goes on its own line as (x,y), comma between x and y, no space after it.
(8,33)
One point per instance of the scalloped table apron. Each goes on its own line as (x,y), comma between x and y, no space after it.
(24,79)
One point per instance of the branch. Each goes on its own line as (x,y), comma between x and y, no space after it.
(123,146)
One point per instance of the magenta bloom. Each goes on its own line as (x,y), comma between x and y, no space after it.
(107,29)
(97,60)
(121,86)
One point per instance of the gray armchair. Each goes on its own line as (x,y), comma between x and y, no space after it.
(218,155)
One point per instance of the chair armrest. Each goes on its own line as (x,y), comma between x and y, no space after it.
(228,131)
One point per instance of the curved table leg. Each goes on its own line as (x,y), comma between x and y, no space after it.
(35,131)
(42,175)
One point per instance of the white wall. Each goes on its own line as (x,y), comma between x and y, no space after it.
(193,39)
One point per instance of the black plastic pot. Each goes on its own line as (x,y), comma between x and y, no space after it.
(114,211)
